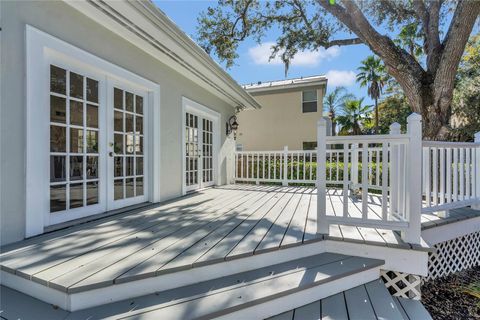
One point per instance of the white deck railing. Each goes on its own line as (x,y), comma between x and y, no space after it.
(451,175)
(409,176)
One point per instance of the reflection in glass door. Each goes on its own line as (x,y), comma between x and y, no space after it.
(128,148)
(207,154)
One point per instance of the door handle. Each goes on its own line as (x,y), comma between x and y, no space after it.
(110,154)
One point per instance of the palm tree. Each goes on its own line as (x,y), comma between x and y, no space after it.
(353,117)
(372,76)
(332,103)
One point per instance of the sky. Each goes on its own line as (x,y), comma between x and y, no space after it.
(339,64)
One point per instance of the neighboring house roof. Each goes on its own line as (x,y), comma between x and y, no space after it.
(146,26)
(287,84)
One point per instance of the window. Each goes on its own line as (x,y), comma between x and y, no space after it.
(239,147)
(310,145)
(309,101)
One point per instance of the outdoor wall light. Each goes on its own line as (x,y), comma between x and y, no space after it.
(232,126)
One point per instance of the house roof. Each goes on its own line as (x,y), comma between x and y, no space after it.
(280,85)
(146,26)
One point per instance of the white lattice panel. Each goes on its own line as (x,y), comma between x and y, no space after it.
(454,255)
(402,285)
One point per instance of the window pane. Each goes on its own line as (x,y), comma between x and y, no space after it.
(76,85)
(58,139)
(92,90)
(129,166)
(309,95)
(76,113)
(118,143)
(92,167)
(92,141)
(139,105)
(117,98)
(310,145)
(129,101)
(57,168)
(58,109)
(309,106)
(139,145)
(129,188)
(139,166)
(92,116)
(118,121)
(58,79)
(129,143)
(92,192)
(76,195)
(76,140)
(118,167)
(58,198)
(118,189)
(76,167)
(128,122)
(139,186)
(139,125)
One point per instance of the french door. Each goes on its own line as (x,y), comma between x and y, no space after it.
(127,154)
(199,153)
(97,155)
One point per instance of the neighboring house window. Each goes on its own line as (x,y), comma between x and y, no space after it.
(309,101)
(310,145)
(239,147)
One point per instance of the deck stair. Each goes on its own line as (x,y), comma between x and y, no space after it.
(255,294)
(369,301)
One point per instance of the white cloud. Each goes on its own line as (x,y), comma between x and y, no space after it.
(260,54)
(340,78)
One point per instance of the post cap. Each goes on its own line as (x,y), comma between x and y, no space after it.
(414,117)
(321,122)
(477,136)
(395,127)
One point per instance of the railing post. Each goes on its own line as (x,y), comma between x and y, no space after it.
(354,151)
(414,179)
(394,156)
(285,166)
(477,172)
(322,223)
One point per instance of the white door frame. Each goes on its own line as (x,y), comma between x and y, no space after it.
(200,110)
(43,49)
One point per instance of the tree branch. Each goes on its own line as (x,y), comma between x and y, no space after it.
(430,17)
(342,42)
(454,44)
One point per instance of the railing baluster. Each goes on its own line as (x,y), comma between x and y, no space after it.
(467,173)
(442,175)
(455,174)
(462,174)
(384,182)
(435,176)
(449,175)
(345,180)
(365,181)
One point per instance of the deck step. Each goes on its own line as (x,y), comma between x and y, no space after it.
(254,294)
(369,301)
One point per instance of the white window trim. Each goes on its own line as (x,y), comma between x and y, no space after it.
(41,50)
(189,105)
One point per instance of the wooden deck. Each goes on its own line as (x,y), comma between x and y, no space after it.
(210,226)
(369,301)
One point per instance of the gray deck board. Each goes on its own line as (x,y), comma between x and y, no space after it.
(199,229)
(358,304)
(382,302)
(283,316)
(334,307)
(414,309)
(308,312)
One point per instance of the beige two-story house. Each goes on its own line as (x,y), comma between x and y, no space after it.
(288,117)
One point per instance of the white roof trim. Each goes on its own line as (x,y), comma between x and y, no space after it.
(148,28)
(286,84)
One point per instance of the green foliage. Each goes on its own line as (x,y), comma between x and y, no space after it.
(332,104)
(393,109)
(372,75)
(354,117)
(466,96)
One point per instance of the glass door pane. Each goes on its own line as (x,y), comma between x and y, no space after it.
(192,154)
(128,148)
(207,154)
(74,141)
